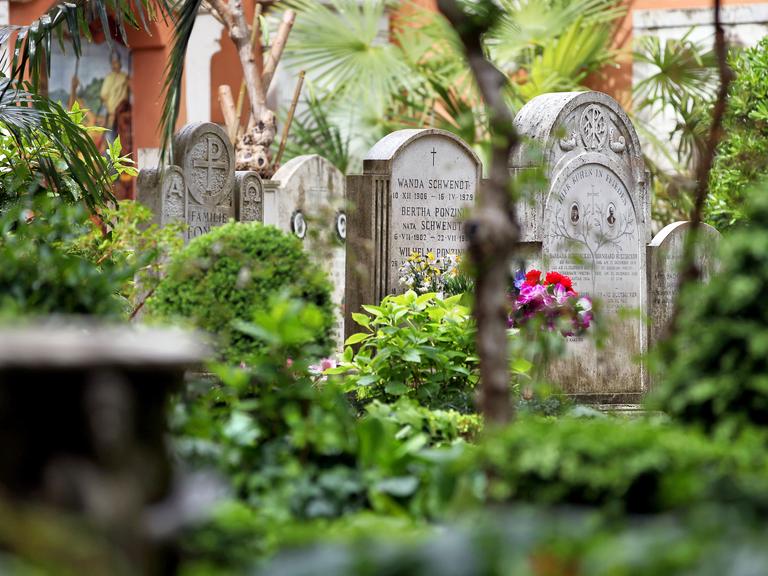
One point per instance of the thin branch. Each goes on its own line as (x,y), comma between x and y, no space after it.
(492,230)
(690,270)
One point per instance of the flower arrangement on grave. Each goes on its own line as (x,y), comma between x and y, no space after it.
(551,301)
(425,273)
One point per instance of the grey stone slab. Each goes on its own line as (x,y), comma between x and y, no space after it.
(201,187)
(411,196)
(665,258)
(311,204)
(592,223)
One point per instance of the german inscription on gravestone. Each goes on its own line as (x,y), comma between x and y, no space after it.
(410,198)
(591,223)
(433,181)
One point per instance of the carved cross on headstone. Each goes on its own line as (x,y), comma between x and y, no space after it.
(212,161)
(433,155)
(202,188)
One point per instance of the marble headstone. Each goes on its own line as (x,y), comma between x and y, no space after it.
(591,223)
(410,198)
(201,187)
(665,256)
(310,203)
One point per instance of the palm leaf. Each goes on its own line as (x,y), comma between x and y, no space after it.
(185,16)
(339,44)
(45,128)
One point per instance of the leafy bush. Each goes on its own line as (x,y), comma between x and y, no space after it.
(740,159)
(529,541)
(296,451)
(715,368)
(124,236)
(229,273)
(421,347)
(622,465)
(41,275)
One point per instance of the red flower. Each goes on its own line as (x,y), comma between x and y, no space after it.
(557,278)
(533,277)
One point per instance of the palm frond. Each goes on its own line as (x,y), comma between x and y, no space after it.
(185,16)
(53,136)
(678,68)
(339,45)
(312,132)
(528,24)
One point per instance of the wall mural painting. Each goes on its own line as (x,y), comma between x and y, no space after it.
(99,81)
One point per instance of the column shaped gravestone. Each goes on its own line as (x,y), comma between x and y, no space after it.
(665,257)
(592,223)
(410,197)
(310,203)
(201,187)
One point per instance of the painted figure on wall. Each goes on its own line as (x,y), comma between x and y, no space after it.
(100,83)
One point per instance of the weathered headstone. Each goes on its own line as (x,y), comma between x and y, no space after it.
(665,256)
(591,223)
(310,203)
(409,198)
(201,188)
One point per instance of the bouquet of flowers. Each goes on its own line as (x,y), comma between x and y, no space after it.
(553,300)
(425,273)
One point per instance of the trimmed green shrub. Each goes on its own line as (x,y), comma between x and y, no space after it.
(715,368)
(228,274)
(740,159)
(620,465)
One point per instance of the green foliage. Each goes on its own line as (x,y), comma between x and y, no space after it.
(740,159)
(230,273)
(528,541)
(714,367)
(295,450)
(370,86)
(43,148)
(421,347)
(622,465)
(124,237)
(41,275)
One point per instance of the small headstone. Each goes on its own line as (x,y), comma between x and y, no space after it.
(201,188)
(591,224)
(310,203)
(665,256)
(410,197)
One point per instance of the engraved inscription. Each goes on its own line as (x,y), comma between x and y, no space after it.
(592,236)
(433,182)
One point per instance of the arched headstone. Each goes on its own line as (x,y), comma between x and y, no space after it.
(591,223)
(310,203)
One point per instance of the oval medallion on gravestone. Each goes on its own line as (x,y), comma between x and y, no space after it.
(594,129)
(207,158)
(298,225)
(341,226)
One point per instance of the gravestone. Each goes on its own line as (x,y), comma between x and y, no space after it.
(592,224)
(410,197)
(201,187)
(310,203)
(665,256)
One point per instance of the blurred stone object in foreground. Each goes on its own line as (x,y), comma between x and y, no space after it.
(82,429)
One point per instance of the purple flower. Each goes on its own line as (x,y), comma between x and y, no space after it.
(519,279)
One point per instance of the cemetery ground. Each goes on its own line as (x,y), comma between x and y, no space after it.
(285,373)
